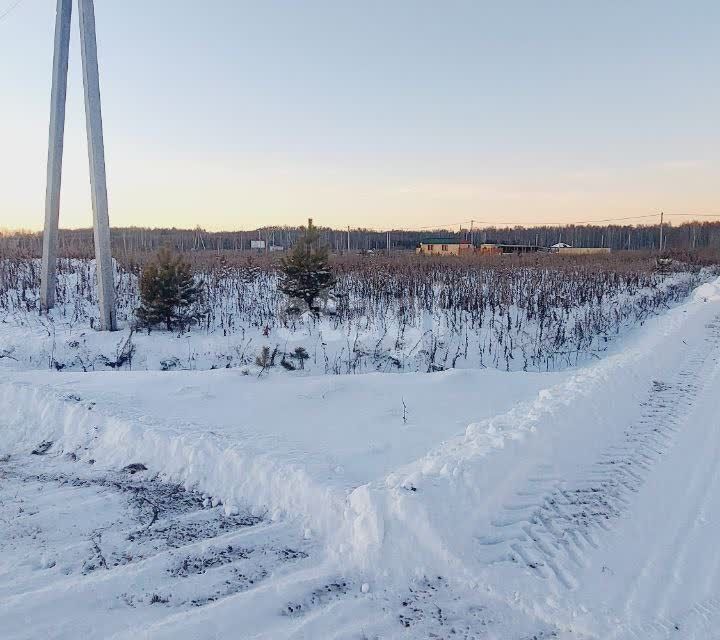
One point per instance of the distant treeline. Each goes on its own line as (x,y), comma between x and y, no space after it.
(79,242)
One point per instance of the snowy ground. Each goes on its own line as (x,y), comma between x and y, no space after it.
(583,504)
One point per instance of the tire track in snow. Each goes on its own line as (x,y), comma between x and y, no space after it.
(154,555)
(700,621)
(702,486)
(148,548)
(663,582)
(553,524)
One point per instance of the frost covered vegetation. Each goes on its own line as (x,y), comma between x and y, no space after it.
(400,313)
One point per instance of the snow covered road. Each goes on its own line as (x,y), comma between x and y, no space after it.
(582,505)
(87,553)
(631,538)
(660,569)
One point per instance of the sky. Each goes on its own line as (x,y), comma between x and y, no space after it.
(382,114)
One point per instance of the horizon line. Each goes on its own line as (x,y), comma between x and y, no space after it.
(606,222)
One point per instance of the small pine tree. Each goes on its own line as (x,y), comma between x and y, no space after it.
(168,293)
(306,272)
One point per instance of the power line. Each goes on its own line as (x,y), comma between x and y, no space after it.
(694,215)
(531,223)
(541,223)
(434,226)
(10,9)
(526,223)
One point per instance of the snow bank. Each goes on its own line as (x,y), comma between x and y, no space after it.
(708,292)
(291,447)
(231,471)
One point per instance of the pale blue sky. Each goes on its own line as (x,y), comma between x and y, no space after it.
(234,114)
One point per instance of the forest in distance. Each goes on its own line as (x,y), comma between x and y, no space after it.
(687,236)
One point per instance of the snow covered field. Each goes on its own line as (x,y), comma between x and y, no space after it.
(577,504)
(388,316)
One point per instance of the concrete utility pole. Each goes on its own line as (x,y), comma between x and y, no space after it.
(55,152)
(96,157)
(662,215)
(348,239)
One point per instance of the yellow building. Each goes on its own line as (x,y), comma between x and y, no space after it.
(444,247)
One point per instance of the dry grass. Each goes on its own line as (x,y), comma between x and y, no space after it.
(538,311)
